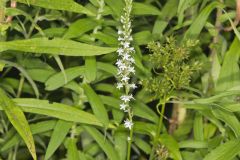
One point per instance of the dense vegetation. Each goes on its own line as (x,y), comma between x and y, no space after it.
(119,79)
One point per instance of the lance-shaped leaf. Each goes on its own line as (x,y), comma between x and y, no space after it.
(97,105)
(57,110)
(18,120)
(225,151)
(64,5)
(56,46)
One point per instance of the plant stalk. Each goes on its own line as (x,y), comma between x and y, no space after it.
(20,86)
(129,144)
(160,123)
(131,130)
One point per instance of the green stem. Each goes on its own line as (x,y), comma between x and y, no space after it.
(131,130)
(20,86)
(129,144)
(160,123)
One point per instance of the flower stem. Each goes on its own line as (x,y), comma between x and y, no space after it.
(130,117)
(129,144)
(160,123)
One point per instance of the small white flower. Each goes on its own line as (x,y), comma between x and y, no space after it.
(126,98)
(119,85)
(120,38)
(128,124)
(126,44)
(119,72)
(119,62)
(126,57)
(123,106)
(122,67)
(120,51)
(122,19)
(131,69)
(131,49)
(131,60)
(133,86)
(129,139)
(120,32)
(125,78)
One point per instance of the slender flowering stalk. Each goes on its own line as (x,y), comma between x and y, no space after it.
(125,64)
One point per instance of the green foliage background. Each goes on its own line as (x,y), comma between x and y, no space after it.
(58,96)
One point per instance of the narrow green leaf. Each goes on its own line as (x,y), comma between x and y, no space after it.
(230,74)
(57,80)
(51,32)
(216,97)
(16,12)
(193,144)
(143,145)
(145,128)
(106,38)
(59,133)
(159,27)
(84,156)
(226,151)
(40,75)
(169,10)
(97,105)
(237,33)
(37,128)
(55,46)
(90,69)
(172,145)
(183,5)
(14,83)
(143,37)
(229,118)
(120,142)
(72,151)
(192,155)
(116,6)
(200,21)
(198,127)
(60,65)
(145,9)
(2,65)
(103,143)
(232,107)
(109,68)
(57,110)
(65,5)
(79,27)
(19,121)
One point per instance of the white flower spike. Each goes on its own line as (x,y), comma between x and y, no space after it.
(125,63)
